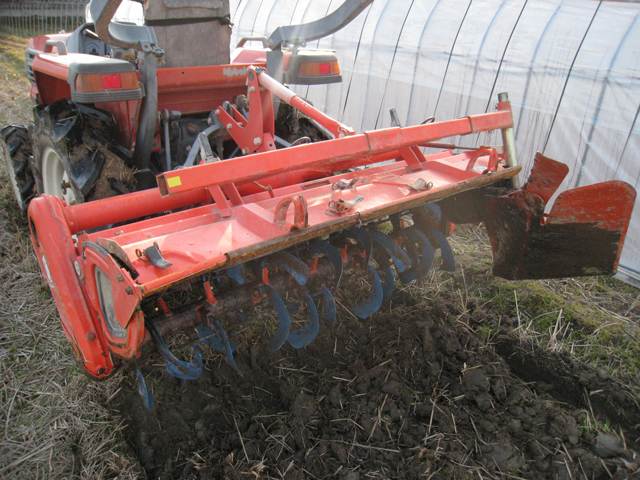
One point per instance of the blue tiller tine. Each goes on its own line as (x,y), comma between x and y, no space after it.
(400,258)
(363,237)
(434,212)
(177,368)
(330,313)
(427,253)
(144,391)
(424,261)
(236,273)
(283,318)
(293,265)
(306,334)
(228,348)
(373,303)
(388,284)
(215,336)
(333,254)
(448,263)
(211,338)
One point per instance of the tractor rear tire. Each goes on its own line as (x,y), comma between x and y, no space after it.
(73,158)
(53,178)
(15,147)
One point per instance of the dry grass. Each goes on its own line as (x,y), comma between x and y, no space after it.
(15,106)
(54,422)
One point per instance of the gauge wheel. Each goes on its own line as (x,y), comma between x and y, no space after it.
(15,147)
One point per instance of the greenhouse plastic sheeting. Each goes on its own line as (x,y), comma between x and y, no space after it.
(571,68)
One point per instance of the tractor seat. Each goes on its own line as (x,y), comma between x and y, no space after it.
(192,33)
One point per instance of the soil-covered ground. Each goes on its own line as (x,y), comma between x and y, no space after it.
(460,376)
(420,390)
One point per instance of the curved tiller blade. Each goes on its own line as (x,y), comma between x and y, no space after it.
(388,284)
(237,273)
(363,237)
(282,332)
(293,265)
(423,261)
(144,391)
(177,368)
(215,336)
(306,335)
(330,314)
(400,258)
(322,247)
(372,304)
(448,263)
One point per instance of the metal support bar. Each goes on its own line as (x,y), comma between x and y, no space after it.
(508,139)
(337,129)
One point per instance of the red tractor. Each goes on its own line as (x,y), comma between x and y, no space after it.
(169,185)
(108,95)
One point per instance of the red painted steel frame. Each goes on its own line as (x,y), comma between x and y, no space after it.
(337,129)
(199,239)
(57,254)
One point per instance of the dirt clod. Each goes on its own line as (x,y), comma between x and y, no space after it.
(392,387)
(506,457)
(608,445)
(475,381)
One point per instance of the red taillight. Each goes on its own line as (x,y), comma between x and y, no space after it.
(110,82)
(324,68)
(95,82)
(315,69)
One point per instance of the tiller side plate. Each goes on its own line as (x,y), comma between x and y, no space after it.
(583,234)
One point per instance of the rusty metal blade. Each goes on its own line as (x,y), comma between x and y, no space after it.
(545,177)
(582,235)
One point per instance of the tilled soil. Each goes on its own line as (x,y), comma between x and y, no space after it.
(415,393)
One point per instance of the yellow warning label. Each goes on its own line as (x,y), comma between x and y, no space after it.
(174,182)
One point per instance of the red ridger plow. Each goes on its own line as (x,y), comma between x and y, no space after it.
(222,236)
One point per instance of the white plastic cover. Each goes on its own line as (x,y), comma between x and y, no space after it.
(571,68)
